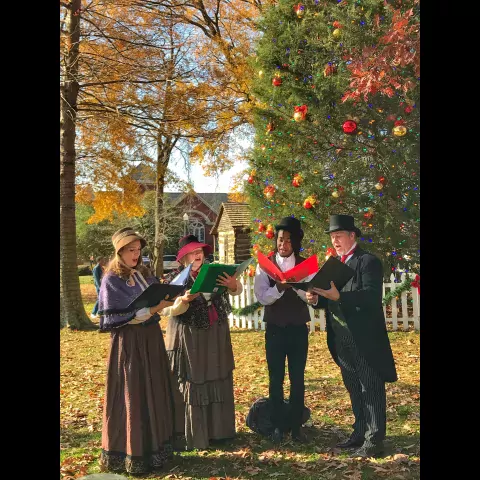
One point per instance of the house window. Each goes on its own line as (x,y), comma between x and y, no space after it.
(197,228)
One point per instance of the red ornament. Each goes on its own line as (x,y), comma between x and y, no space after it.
(408,109)
(251,271)
(330,251)
(382,180)
(268,191)
(399,122)
(329,70)
(300,113)
(337,24)
(276,81)
(297,180)
(349,126)
(270,234)
(307,204)
(261,227)
(250,179)
(416,283)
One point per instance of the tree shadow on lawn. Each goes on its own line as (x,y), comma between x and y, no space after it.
(253,456)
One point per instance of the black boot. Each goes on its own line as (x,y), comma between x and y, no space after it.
(277,436)
(352,442)
(369,451)
(298,435)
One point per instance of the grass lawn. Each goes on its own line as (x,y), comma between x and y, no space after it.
(83,368)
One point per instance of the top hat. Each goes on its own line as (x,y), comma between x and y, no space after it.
(189,243)
(291,225)
(342,222)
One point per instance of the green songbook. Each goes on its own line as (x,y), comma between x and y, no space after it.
(206,281)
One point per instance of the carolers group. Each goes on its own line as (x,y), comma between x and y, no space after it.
(178,393)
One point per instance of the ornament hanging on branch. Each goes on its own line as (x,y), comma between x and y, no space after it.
(270,127)
(261,227)
(251,178)
(399,130)
(329,70)
(349,127)
(338,192)
(277,80)
(297,180)
(251,270)
(300,113)
(299,10)
(260,73)
(330,252)
(368,214)
(270,232)
(309,202)
(268,191)
(337,33)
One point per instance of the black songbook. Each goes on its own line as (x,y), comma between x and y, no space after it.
(157,292)
(333,270)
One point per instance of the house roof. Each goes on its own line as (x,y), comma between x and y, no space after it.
(238,215)
(212,200)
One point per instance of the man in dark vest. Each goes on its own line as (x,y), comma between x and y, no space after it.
(357,337)
(286,335)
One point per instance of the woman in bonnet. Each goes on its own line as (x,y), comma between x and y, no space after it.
(138,416)
(200,354)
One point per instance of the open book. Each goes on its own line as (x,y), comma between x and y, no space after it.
(206,281)
(295,274)
(333,270)
(157,292)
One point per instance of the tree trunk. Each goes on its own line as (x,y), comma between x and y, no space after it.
(72,311)
(159,216)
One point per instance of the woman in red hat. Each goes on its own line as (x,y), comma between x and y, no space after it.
(200,352)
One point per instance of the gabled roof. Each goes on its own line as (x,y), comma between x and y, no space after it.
(211,200)
(238,215)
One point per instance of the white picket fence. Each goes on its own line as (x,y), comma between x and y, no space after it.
(400,314)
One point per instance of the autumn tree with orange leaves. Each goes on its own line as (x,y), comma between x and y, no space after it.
(198,111)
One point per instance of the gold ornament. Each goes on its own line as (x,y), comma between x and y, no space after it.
(335,194)
(260,73)
(298,117)
(379,186)
(399,131)
(337,33)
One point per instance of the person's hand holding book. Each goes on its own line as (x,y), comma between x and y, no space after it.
(281,286)
(332,293)
(188,297)
(228,281)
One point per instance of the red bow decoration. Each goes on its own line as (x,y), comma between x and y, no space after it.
(303,110)
(416,283)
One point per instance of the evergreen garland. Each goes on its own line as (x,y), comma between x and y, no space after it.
(403,287)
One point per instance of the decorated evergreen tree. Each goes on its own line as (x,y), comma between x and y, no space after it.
(337,124)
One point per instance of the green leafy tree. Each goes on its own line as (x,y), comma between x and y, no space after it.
(328,143)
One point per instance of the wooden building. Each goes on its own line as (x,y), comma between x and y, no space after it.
(231,233)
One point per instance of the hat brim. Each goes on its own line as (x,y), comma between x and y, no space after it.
(129,239)
(357,231)
(190,247)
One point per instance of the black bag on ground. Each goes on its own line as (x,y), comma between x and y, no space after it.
(258,418)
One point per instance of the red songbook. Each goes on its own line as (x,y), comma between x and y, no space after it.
(295,274)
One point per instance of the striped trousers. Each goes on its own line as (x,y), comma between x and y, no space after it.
(366,390)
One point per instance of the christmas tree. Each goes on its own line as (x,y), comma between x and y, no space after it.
(337,124)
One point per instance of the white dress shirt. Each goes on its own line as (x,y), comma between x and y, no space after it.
(266,294)
(350,254)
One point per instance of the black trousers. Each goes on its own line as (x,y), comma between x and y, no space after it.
(290,342)
(367,392)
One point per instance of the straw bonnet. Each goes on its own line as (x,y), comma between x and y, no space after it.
(124,236)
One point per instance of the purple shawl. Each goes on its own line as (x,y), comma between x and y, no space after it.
(114,297)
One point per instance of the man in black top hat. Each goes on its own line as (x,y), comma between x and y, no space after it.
(357,337)
(286,335)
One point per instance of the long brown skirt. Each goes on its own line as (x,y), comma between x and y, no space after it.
(201,361)
(138,412)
